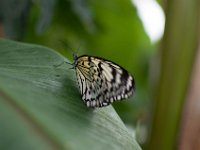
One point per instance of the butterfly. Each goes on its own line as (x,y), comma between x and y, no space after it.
(101,82)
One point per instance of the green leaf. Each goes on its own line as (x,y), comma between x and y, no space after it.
(41,108)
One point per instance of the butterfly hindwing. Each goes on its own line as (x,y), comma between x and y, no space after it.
(101,82)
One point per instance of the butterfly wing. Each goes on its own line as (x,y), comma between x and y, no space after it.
(101,82)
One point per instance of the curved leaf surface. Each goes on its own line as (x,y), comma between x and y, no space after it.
(41,108)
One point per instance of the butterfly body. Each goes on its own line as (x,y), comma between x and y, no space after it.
(101,82)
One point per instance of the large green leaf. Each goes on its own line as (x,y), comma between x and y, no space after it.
(41,108)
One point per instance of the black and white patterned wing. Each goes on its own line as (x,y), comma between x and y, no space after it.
(102,82)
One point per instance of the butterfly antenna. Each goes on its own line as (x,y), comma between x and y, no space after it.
(78,49)
(75,56)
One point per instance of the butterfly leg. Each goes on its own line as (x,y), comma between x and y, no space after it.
(72,64)
(59,64)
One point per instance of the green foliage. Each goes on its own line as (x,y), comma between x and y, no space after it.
(110,29)
(41,108)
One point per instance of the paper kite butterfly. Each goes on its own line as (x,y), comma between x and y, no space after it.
(101,82)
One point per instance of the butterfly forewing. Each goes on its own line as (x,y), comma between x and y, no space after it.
(102,82)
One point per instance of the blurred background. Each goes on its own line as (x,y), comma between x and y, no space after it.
(156,41)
